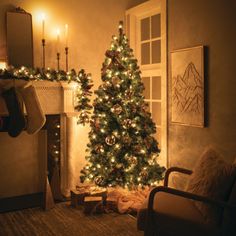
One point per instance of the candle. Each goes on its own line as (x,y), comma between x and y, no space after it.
(66,34)
(58,39)
(43,25)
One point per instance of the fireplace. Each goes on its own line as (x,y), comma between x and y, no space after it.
(27,173)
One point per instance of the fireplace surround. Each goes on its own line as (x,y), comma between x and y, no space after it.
(57,100)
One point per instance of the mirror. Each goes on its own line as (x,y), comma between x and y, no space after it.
(19,38)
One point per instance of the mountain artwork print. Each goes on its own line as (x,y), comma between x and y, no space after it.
(187,87)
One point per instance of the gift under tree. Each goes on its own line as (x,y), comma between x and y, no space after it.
(122,149)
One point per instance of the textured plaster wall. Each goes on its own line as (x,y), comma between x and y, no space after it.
(91,25)
(212,24)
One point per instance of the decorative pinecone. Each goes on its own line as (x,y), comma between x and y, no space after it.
(126,123)
(99,148)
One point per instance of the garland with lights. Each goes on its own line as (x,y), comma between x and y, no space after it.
(82,92)
(122,150)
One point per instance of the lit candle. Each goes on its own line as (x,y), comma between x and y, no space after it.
(43,25)
(58,39)
(66,34)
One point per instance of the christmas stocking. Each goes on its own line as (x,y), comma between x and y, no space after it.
(15,108)
(35,117)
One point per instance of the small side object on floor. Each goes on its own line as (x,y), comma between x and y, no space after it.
(35,116)
(78,195)
(93,205)
(15,108)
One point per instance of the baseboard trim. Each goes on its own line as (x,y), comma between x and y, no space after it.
(21,202)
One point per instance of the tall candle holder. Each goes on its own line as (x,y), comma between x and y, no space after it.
(58,61)
(66,52)
(43,47)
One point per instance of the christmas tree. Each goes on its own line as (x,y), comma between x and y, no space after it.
(122,150)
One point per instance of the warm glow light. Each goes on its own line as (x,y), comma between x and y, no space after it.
(43,25)
(58,32)
(3,65)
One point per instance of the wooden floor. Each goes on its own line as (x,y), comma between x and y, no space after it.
(63,220)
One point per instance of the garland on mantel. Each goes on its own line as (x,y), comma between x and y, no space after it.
(82,90)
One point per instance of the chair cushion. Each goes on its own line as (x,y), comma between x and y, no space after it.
(212,177)
(175,215)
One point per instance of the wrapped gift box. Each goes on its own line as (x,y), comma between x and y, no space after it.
(78,195)
(93,204)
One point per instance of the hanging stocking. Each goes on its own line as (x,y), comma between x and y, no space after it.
(35,117)
(15,108)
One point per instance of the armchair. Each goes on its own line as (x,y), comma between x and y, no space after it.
(170,212)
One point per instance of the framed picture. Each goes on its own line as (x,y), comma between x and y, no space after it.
(187,86)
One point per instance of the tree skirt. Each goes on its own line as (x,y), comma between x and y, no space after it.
(126,201)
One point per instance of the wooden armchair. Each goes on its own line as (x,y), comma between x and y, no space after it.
(170,212)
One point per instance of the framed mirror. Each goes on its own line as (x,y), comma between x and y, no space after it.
(19,38)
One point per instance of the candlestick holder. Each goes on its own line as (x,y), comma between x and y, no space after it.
(66,52)
(43,49)
(58,61)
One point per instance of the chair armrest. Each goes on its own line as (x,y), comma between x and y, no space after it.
(175,169)
(186,195)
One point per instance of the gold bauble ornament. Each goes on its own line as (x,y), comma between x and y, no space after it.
(98,180)
(117,109)
(110,140)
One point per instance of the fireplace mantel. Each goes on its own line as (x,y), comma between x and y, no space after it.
(58,98)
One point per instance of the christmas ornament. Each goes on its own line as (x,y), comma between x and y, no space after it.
(99,148)
(112,54)
(126,139)
(117,109)
(126,123)
(132,160)
(148,141)
(137,148)
(116,81)
(145,107)
(128,94)
(110,140)
(97,123)
(98,180)
(144,174)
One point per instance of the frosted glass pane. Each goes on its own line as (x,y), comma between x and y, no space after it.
(146,92)
(156,51)
(145,29)
(156,112)
(156,26)
(156,87)
(145,53)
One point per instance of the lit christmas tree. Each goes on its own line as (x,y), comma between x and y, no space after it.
(122,150)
